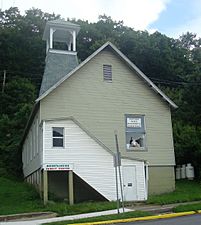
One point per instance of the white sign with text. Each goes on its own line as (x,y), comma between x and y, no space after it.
(134,122)
(58,166)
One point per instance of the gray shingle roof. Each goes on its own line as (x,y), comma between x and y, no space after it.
(57,66)
(61,22)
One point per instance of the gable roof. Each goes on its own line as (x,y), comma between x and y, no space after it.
(126,60)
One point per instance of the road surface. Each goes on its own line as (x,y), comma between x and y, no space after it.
(184,220)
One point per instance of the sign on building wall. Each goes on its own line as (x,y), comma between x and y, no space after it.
(57,166)
(135,132)
(134,122)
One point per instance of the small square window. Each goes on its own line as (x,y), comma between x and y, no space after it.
(107,73)
(58,142)
(58,136)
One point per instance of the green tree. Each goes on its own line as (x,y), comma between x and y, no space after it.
(21,47)
(16,103)
(187,145)
(190,108)
(173,64)
(93,35)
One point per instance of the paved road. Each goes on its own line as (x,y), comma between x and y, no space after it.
(184,220)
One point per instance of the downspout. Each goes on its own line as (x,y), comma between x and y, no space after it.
(146,179)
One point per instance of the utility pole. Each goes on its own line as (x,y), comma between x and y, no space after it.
(4,81)
(116,176)
(118,159)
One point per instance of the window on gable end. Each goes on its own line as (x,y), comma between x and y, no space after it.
(135,132)
(107,73)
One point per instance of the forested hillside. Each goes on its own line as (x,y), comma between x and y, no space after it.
(172,64)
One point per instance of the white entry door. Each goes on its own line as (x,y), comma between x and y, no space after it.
(129,183)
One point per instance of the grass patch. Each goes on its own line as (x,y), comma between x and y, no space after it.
(186,208)
(186,191)
(19,197)
(126,215)
(85,207)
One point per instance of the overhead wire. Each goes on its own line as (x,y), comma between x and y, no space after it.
(37,78)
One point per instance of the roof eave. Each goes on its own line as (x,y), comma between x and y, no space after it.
(72,72)
(146,79)
(130,64)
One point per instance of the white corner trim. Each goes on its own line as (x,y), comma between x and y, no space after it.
(43,150)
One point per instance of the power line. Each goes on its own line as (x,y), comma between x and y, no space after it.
(39,76)
(23,73)
(176,82)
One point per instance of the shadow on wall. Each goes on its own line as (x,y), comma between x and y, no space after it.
(58,188)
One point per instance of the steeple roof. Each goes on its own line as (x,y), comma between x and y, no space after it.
(57,66)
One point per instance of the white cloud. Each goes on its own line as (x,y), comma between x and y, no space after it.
(138,13)
(135,13)
(191,26)
(152,30)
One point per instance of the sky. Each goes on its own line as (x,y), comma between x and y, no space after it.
(170,17)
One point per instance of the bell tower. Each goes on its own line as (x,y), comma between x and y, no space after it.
(60,31)
(61,55)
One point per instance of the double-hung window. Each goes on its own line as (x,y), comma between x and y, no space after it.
(135,132)
(58,136)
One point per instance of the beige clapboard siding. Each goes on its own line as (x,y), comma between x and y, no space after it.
(100,107)
(31,153)
(91,162)
(162,179)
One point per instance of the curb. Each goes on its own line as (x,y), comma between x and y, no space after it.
(27,216)
(164,216)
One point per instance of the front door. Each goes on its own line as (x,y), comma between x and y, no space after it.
(129,183)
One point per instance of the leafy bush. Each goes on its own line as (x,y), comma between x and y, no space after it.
(187,139)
